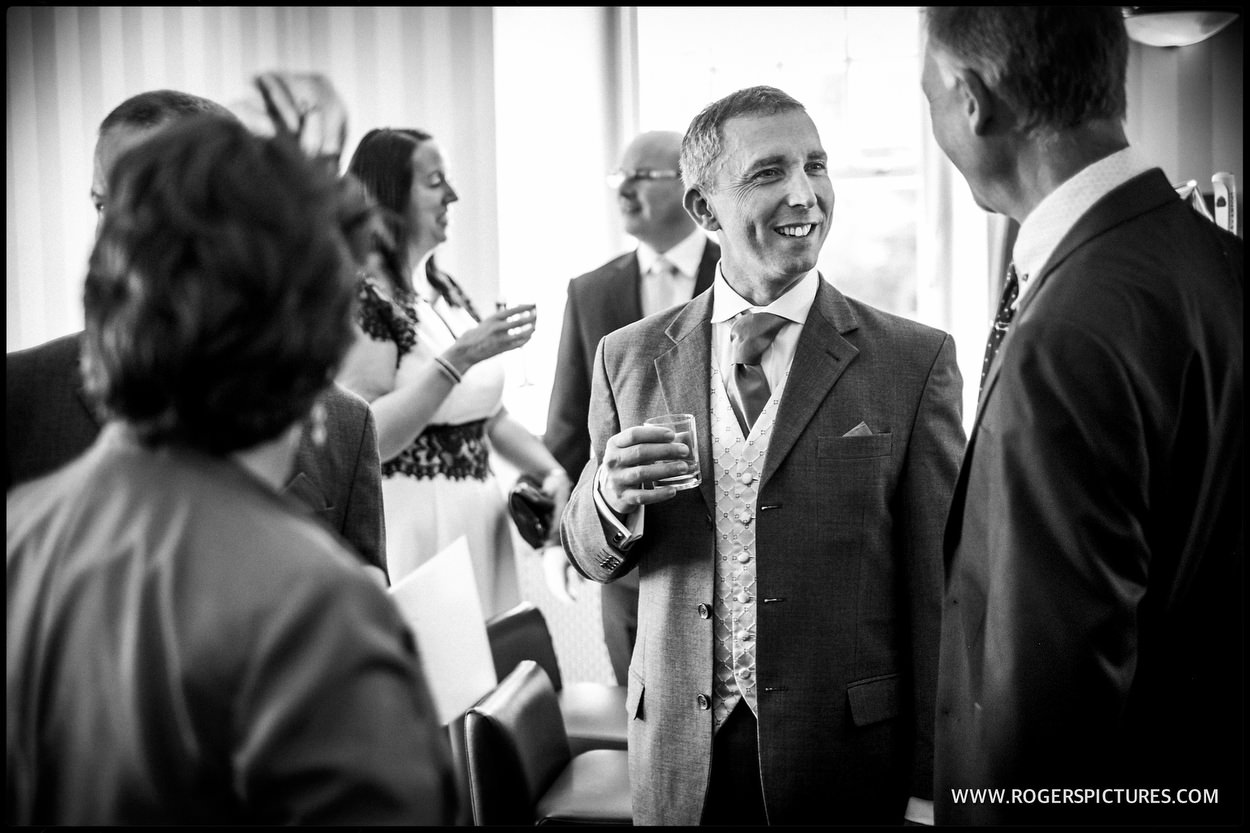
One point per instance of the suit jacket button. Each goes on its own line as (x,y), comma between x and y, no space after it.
(703,702)
(704,613)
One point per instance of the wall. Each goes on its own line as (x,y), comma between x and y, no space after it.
(1185,107)
(558,136)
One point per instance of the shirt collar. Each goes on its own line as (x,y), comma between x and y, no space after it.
(686,255)
(794,305)
(1055,215)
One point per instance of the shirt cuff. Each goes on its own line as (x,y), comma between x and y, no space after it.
(623,535)
(919,811)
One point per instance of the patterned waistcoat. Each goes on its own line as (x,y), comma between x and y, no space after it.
(737,465)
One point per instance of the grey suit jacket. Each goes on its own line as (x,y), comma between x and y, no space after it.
(185,646)
(49,422)
(848,546)
(1091,633)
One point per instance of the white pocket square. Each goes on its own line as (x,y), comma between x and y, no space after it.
(861,430)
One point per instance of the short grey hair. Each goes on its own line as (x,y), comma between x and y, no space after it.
(703,144)
(1060,66)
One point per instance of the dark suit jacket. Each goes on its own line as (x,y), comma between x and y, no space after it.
(599,302)
(184,646)
(48,422)
(848,547)
(1091,633)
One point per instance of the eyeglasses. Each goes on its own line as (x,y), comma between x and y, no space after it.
(618,178)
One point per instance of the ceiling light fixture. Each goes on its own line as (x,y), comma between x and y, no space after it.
(1175,25)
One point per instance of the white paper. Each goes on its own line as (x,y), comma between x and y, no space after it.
(439,600)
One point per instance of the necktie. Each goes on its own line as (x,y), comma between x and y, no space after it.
(1002,320)
(748,391)
(662,290)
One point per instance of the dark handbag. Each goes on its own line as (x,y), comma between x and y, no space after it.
(532,510)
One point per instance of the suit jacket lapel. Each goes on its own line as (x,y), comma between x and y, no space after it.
(684,371)
(820,359)
(625,303)
(1144,192)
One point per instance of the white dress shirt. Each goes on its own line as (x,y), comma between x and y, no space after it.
(1054,216)
(727,305)
(662,289)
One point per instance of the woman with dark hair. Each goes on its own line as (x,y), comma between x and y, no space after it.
(185,645)
(427,362)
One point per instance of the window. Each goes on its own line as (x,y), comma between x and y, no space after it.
(856,71)
(905,236)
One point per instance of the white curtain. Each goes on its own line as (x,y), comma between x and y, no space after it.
(428,66)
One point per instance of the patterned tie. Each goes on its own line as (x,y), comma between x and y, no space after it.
(748,389)
(1002,320)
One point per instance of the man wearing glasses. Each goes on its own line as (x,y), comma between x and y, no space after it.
(674,262)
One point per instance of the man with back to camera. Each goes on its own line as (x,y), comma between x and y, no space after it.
(48,421)
(1092,658)
(788,606)
(674,262)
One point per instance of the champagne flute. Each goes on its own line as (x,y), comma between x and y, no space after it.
(525,382)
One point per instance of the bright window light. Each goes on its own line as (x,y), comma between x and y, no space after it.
(857,71)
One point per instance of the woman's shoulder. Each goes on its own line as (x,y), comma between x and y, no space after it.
(382,315)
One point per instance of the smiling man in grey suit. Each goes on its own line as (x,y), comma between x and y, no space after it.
(788,609)
(48,421)
(674,262)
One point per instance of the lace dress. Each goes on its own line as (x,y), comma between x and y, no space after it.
(441,486)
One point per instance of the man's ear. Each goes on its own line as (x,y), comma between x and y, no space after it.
(979,102)
(700,210)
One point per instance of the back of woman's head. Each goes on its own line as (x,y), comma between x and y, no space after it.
(218,302)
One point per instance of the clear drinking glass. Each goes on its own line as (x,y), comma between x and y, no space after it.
(683,426)
(525,382)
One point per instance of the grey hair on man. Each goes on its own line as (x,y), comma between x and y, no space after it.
(702,146)
(1053,87)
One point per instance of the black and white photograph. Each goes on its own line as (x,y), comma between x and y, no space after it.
(625,415)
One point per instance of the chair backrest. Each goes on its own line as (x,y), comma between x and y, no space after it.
(516,747)
(521,633)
